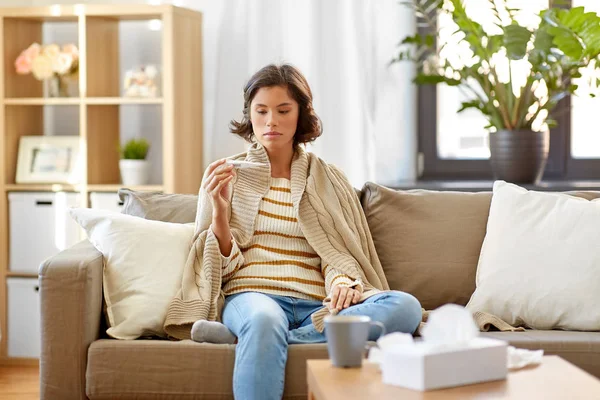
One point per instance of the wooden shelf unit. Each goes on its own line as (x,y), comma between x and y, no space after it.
(22,105)
(75,101)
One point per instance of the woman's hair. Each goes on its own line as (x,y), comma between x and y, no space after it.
(309,125)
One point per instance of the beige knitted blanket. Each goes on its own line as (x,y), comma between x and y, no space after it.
(329,214)
(483,320)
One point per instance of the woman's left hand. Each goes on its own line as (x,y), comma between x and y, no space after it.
(343,297)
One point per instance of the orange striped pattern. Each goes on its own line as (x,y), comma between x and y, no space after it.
(236,255)
(283,262)
(281,189)
(228,275)
(278,259)
(279,203)
(280,279)
(269,289)
(276,216)
(339,277)
(279,234)
(281,251)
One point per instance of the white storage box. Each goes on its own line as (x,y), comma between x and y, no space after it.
(415,367)
(40,226)
(106,201)
(23,334)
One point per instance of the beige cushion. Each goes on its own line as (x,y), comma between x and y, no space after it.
(178,208)
(143,267)
(579,348)
(428,241)
(179,370)
(186,370)
(539,263)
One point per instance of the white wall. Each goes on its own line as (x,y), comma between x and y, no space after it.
(390,156)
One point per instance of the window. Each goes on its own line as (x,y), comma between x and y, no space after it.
(585,137)
(456,146)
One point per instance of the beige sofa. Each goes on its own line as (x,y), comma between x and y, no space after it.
(428,243)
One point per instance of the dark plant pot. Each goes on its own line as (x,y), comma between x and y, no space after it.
(519,156)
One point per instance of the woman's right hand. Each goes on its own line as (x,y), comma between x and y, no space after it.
(216,181)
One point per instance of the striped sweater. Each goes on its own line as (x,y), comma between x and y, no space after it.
(278,259)
(328,212)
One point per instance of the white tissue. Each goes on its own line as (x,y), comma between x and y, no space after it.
(387,342)
(519,358)
(450,325)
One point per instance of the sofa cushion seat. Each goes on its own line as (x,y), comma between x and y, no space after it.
(579,348)
(163,369)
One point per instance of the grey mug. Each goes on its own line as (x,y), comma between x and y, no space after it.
(347,338)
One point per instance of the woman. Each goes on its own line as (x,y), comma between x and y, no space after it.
(282,275)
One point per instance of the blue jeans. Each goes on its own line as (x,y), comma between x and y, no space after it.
(265,324)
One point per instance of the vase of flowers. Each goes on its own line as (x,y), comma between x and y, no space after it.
(55,65)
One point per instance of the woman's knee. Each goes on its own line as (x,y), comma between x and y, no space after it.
(406,310)
(266,323)
(255,314)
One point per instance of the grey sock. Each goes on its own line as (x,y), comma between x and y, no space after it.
(211,332)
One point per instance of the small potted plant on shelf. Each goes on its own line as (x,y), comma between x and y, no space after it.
(135,169)
(519,109)
(50,63)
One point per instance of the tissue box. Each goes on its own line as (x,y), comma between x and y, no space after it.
(418,366)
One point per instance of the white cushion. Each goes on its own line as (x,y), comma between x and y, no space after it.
(540,261)
(143,267)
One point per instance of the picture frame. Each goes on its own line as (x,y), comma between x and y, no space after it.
(49,159)
(142,81)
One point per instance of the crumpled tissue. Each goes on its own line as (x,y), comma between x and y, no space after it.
(450,326)
(520,358)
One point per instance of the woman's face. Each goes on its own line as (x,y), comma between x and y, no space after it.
(274,117)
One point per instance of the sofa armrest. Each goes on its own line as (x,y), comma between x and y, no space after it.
(71,310)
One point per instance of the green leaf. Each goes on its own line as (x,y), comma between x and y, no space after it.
(416,39)
(134,149)
(494,44)
(516,38)
(567,42)
(543,40)
(472,104)
(423,79)
(429,41)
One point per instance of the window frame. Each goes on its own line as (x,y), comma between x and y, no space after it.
(560,166)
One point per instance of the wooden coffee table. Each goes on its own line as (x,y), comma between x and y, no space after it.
(554,378)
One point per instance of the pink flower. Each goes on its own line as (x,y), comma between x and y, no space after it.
(32,51)
(23,65)
(25,60)
(72,50)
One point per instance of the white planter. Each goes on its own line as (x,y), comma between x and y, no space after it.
(134,172)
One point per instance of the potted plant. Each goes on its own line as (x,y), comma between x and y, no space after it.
(519,112)
(135,169)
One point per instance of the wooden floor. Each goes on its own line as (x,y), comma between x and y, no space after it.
(19,383)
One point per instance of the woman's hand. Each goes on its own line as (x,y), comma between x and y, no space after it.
(216,181)
(343,296)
